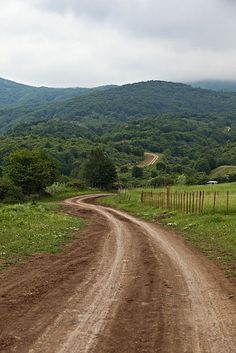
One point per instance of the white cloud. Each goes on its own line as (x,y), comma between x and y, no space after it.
(87,43)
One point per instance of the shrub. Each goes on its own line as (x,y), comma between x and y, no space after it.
(137,172)
(9,192)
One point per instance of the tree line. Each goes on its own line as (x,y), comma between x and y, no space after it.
(29,172)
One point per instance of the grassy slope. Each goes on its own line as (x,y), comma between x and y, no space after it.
(223,170)
(213,234)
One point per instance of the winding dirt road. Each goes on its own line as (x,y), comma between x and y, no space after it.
(150,159)
(123,286)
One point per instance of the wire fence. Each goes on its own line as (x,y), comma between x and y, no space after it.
(191,201)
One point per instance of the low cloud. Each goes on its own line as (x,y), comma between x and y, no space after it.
(86,43)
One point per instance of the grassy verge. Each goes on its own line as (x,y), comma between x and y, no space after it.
(27,229)
(213,234)
(36,227)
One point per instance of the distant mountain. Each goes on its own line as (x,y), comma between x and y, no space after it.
(225,86)
(17,93)
(120,102)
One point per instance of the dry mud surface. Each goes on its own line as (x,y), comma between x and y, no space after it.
(122,286)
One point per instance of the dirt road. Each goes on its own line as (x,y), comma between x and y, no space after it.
(123,286)
(150,159)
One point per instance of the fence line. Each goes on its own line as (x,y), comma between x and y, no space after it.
(190,202)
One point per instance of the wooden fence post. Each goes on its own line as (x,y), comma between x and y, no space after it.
(193,198)
(190,202)
(168,197)
(200,200)
(141,196)
(203,197)
(214,202)
(197,201)
(227,203)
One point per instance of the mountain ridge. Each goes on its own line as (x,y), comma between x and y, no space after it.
(17,93)
(215,85)
(130,100)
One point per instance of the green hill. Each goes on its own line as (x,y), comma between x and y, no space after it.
(223,170)
(16,93)
(122,103)
(20,94)
(193,129)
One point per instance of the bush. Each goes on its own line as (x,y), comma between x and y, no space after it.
(162,180)
(137,172)
(76,184)
(197,179)
(124,169)
(56,188)
(9,192)
(181,179)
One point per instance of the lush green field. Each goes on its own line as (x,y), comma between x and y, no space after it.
(215,196)
(36,227)
(212,233)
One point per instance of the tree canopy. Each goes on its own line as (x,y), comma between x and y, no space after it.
(31,170)
(99,170)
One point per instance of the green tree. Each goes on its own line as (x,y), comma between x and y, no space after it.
(202,165)
(162,180)
(99,170)
(137,172)
(9,192)
(162,165)
(31,170)
(124,169)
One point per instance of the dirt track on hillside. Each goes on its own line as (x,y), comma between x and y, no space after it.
(150,159)
(122,286)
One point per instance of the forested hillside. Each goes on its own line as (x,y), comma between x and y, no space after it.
(193,129)
(16,93)
(122,103)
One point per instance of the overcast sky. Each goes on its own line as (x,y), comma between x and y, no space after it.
(94,42)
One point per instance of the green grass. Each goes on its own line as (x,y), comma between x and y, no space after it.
(223,171)
(30,228)
(213,234)
(217,187)
(33,228)
(219,192)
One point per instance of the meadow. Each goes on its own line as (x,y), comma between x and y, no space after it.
(213,232)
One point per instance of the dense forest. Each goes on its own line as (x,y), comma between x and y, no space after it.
(120,103)
(193,130)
